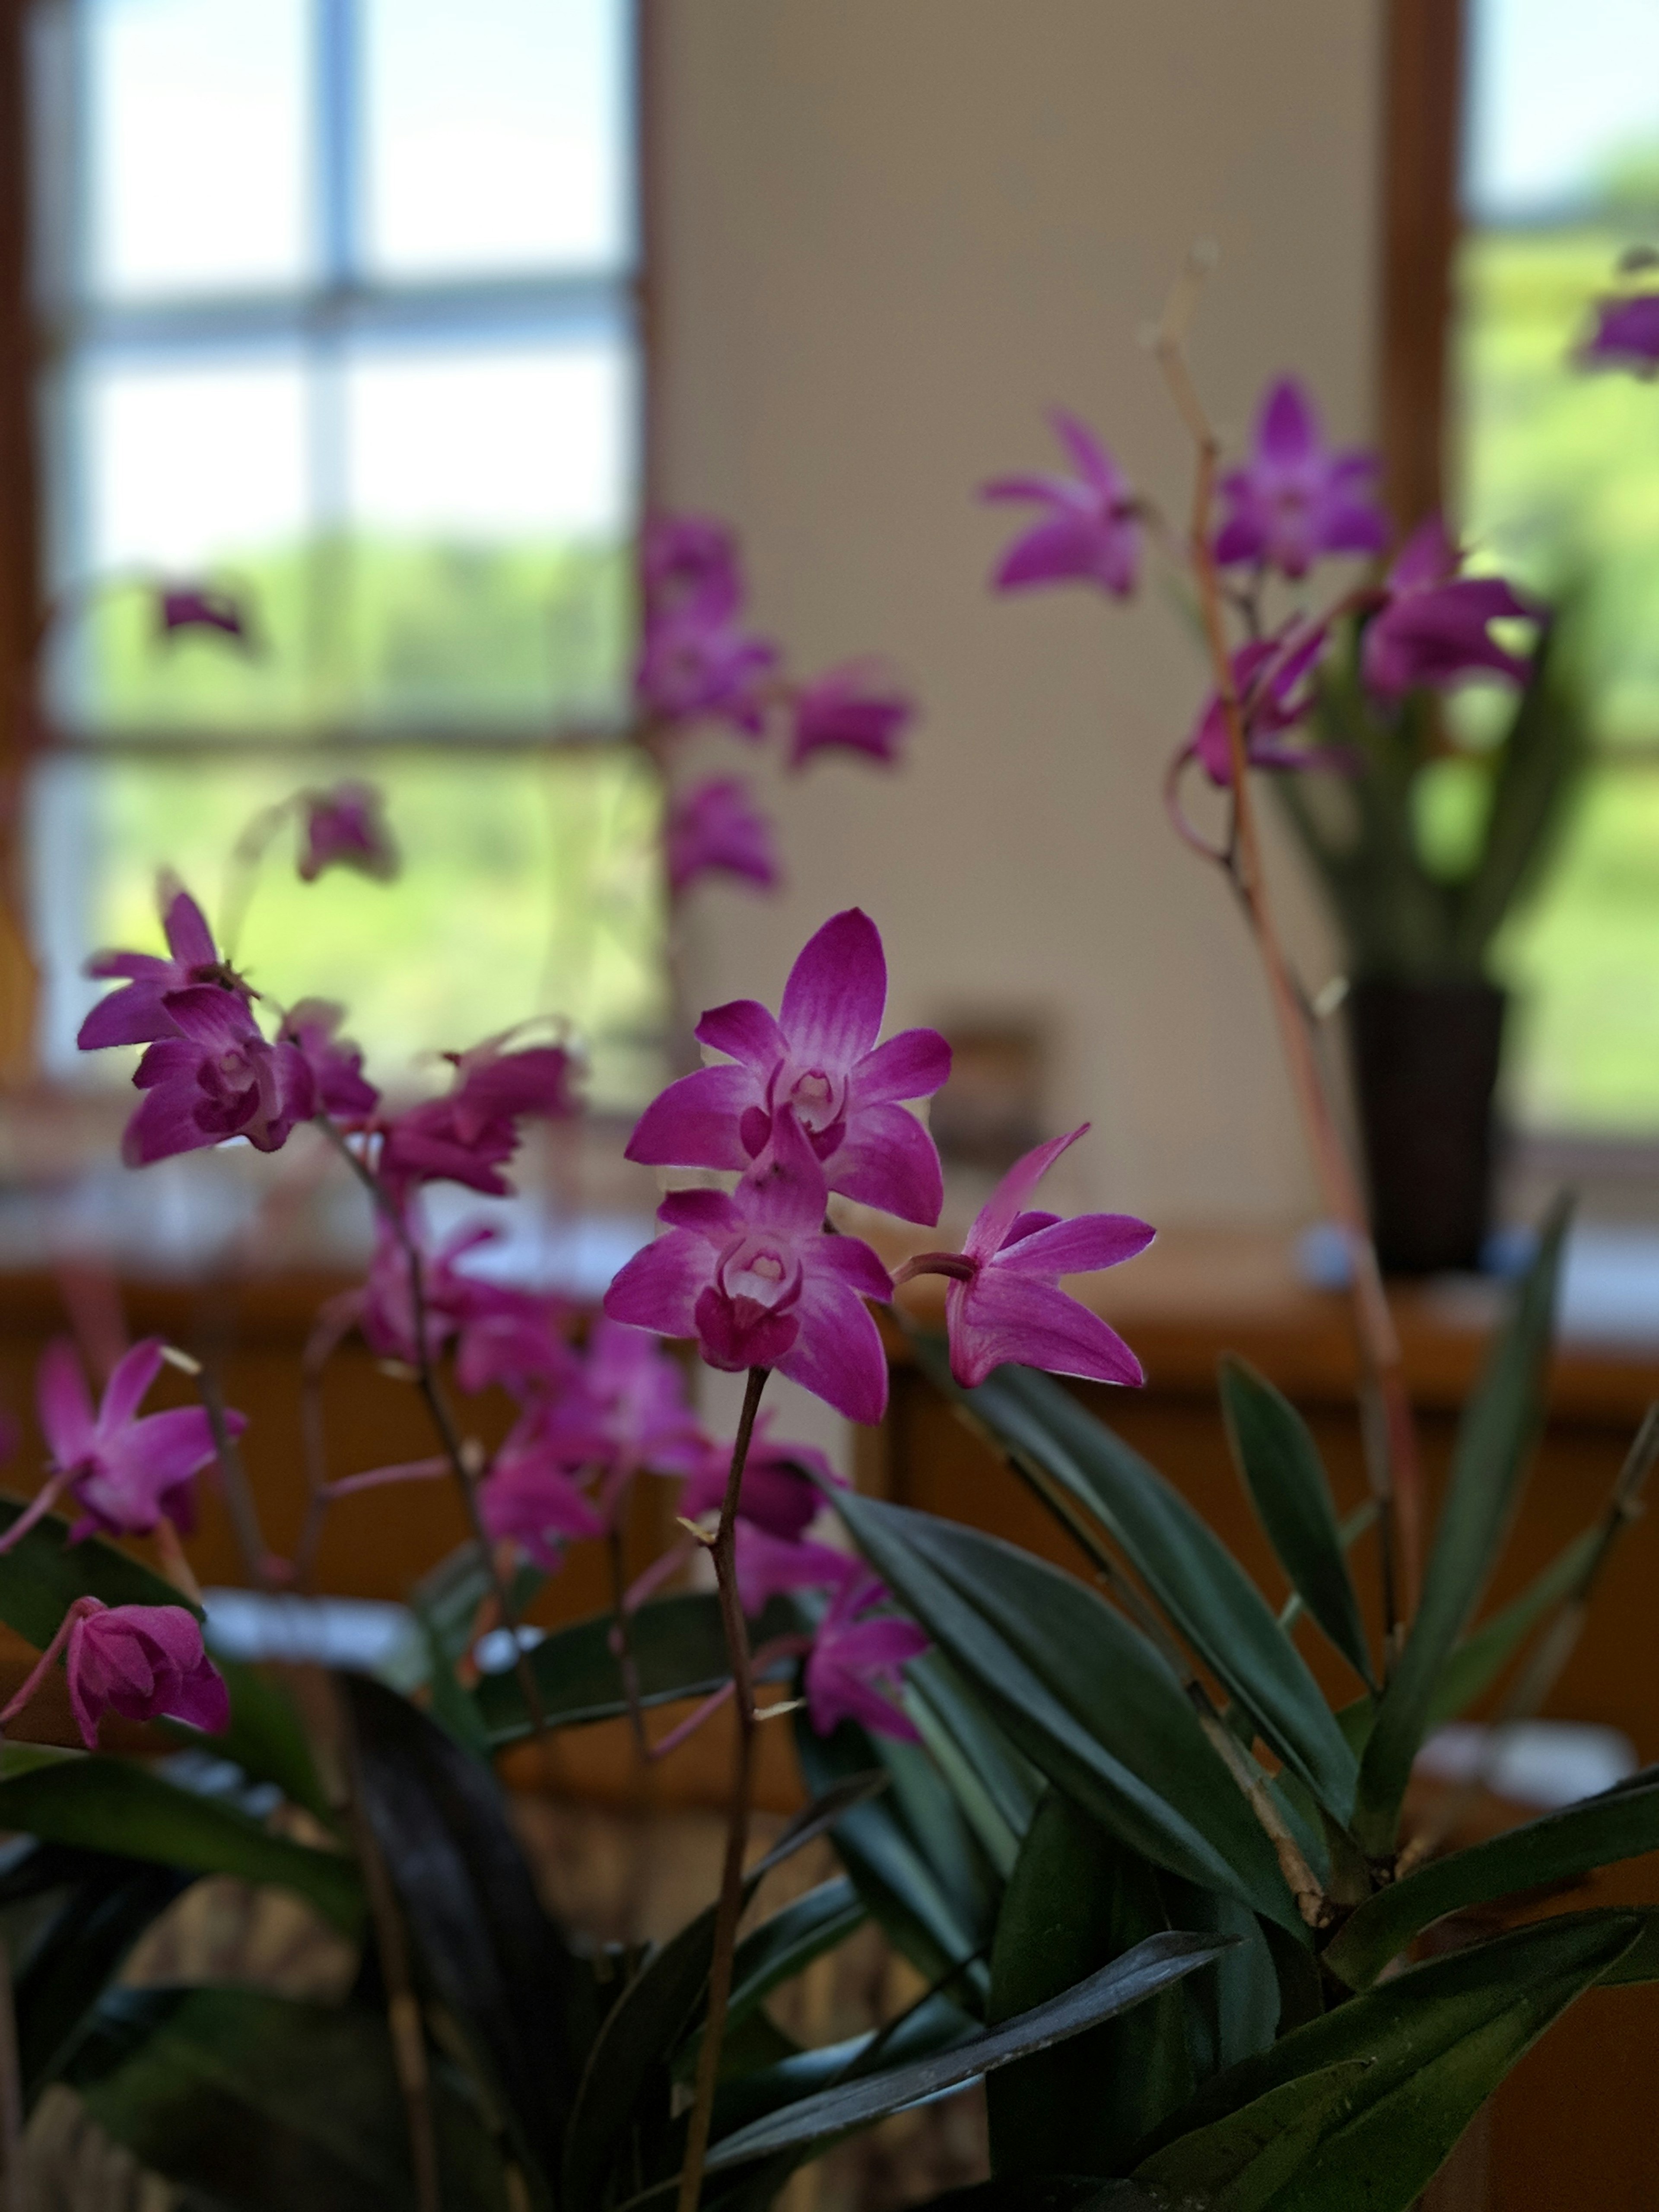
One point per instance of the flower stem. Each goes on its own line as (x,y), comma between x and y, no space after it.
(1387,1424)
(729,1911)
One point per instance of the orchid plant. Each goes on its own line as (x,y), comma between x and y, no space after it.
(1164,1896)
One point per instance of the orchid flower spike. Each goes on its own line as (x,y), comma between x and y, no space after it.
(818,1061)
(138,1013)
(1004,1301)
(1295,499)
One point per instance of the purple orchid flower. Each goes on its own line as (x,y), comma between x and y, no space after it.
(770,1566)
(1295,499)
(778,1493)
(1627,335)
(346,828)
(1274,679)
(342,1090)
(530,1496)
(753,1278)
(126,1474)
(1091,531)
(200,607)
(627,1415)
(856,1659)
(820,1062)
(853,708)
(215,1077)
(691,561)
(143,1662)
(468,1134)
(138,1013)
(1432,628)
(698,665)
(1004,1301)
(714,827)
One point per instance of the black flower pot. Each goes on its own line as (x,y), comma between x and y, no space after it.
(1426,1065)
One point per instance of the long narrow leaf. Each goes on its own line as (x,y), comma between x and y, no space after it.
(1239,2164)
(1619,1824)
(1484,1652)
(1141,1973)
(1081,1694)
(107,1804)
(1280,1461)
(1495,1441)
(68,1970)
(1190,1572)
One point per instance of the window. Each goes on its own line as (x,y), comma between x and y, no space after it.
(337,313)
(1559,476)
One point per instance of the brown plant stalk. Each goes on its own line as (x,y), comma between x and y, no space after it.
(1390,1431)
(729,1911)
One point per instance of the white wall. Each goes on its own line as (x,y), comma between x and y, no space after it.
(892,234)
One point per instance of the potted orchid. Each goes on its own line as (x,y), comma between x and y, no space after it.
(1161,1892)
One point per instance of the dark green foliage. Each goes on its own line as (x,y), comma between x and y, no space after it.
(43,1574)
(1078,1900)
(1495,1441)
(1282,1470)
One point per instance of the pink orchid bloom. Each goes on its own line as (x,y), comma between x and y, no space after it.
(855,1659)
(820,1062)
(125,1473)
(754,1278)
(632,1409)
(689,561)
(1275,681)
(466,1135)
(1432,626)
(336,1065)
(714,828)
(346,828)
(145,1662)
(697,665)
(1295,499)
(1627,335)
(770,1565)
(215,1077)
(503,1335)
(530,1496)
(200,607)
(853,708)
(778,1493)
(1004,1301)
(1091,531)
(138,1013)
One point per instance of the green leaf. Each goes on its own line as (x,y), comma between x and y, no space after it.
(778,1949)
(931,2025)
(44,1574)
(1190,1572)
(265,1739)
(679,1647)
(1436,2040)
(918,1880)
(997,1789)
(1078,1900)
(626,2081)
(264,2105)
(497,1959)
(1236,2165)
(1280,1461)
(1484,1652)
(1141,1973)
(1617,1824)
(66,1972)
(1081,1694)
(1495,1441)
(107,1804)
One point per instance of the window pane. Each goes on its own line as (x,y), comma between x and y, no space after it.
(184,468)
(529,887)
(497,134)
(197,144)
(491,497)
(1559,481)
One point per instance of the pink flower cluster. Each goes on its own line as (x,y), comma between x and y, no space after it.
(700,664)
(1294,502)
